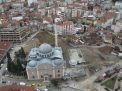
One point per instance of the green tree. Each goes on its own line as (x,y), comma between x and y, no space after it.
(22,53)
(19,66)
(16,66)
(13,67)
(9,61)
(84,29)
(114,1)
(55,82)
(17,54)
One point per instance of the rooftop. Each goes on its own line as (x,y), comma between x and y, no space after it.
(16,88)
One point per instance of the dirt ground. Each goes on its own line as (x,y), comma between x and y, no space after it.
(93,56)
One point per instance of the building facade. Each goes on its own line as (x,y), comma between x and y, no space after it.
(66,28)
(118,6)
(45,63)
(13,35)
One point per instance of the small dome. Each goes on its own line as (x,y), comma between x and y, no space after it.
(45,48)
(32,63)
(58,62)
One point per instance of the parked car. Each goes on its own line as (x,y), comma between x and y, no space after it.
(3,81)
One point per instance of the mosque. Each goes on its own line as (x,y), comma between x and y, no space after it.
(45,63)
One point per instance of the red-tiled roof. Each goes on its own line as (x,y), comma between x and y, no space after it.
(16,88)
(106,16)
(4,22)
(5,45)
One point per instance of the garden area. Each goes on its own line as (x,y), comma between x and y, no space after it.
(110,83)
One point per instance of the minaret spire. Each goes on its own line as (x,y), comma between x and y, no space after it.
(54,25)
(56,36)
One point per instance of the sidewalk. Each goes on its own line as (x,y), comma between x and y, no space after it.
(100,88)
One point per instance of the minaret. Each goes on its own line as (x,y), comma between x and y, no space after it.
(55,29)
(56,36)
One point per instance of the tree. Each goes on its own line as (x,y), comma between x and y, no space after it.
(68,39)
(22,53)
(17,54)
(113,1)
(55,82)
(84,28)
(21,24)
(9,61)
(19,66)
(16,66)
(13,67)
(10,64)
(9,57)
(116,48)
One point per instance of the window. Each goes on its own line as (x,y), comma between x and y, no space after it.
(58,75)
(58,70)
(41,76)
(33,77)
(50,76)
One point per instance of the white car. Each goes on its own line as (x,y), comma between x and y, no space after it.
(1,65)
(22,83)
(6,75)
(6,68)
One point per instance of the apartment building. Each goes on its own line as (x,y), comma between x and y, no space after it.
(15,35)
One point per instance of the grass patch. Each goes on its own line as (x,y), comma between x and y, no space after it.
(45,37)
(110,83)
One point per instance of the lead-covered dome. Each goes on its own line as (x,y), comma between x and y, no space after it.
(45,48)
(32,63)
(58,62)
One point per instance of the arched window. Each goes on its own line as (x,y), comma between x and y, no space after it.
(33,77)
(41,76)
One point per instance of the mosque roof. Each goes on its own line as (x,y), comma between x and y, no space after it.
(45,48)
(45,61)
(45,54)
(32,63)
(58,62)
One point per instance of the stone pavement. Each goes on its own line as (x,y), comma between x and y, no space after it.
(100,88)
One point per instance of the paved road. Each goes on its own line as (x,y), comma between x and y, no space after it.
(2,70)
(54,89)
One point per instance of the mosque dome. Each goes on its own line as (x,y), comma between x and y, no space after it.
(58,62)
(45,48)
(32,63)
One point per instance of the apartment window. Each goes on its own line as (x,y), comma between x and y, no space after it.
(50,76)
(58,75)
(33,77)
(58,70)
(41,76)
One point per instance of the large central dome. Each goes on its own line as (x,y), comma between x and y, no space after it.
(45,48)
